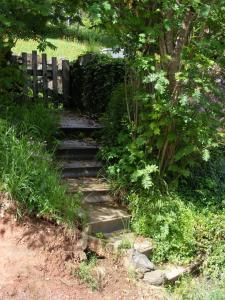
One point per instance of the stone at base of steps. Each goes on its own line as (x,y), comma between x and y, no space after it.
(106,218)
(119,241)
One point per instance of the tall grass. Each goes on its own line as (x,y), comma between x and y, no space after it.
(27,170)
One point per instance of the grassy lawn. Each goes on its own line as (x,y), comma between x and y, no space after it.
(68,49)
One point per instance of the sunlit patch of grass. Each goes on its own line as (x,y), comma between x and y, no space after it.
(67,49)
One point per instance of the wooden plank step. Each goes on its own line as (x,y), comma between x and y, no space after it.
(76,169)
(71,122)
(77,145)
(77,150)
(106,218)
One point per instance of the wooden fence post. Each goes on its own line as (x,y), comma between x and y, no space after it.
(54,75)
(45,76)
(34,68)
(66,79)
(24,62)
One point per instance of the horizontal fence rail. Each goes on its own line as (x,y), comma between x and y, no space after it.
(50,78)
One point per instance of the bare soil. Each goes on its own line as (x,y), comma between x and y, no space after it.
(36,259)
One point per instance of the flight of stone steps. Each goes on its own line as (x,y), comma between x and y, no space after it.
(80,168)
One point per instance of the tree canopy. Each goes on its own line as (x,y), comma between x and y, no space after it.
(175,50)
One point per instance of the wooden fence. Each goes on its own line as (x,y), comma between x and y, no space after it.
(50,78)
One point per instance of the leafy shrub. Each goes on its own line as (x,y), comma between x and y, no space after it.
(169,222)
(185,217)
(27,170)
(93,78)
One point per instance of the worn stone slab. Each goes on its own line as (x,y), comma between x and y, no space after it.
(106,218)
(173,273)
(156,277)
(88,185)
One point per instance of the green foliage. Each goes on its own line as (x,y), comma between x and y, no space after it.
(206,184)
(174,103)
(186,224)
(93,78)
(199,289)
(165,147)
(27,169)
(170,222)
(32,119)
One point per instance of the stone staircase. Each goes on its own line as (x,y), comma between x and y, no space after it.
(82,171)
(107,229)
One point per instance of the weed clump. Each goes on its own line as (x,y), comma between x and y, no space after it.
(84,272)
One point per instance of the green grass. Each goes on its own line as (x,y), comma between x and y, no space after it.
(27,169)
(67,49)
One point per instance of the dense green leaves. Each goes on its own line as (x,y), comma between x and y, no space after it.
(167,157)
(93,78)
(175,57)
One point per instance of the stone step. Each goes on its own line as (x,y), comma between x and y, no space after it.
(77,150)
(84,168)
(106,218)
(121,240)
(94,190)
(73,123)
(87,185)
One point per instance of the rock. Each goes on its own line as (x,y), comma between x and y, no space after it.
(81,255)
(145,246)
(174,273)
(82,243)
(138,261)
(156,277)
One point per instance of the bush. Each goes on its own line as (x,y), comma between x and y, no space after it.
(170,222)
(27,171)
(93,78)
(184,217)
